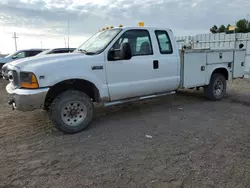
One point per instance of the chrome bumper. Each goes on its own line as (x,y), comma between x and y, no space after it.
(27,99)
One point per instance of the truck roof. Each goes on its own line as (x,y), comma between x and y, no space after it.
(31,49)
(137,27)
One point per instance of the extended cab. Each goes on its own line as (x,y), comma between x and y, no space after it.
(114,66)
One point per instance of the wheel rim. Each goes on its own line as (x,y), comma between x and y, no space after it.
(73,113)
(218,87)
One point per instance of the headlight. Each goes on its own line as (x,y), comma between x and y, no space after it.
(28,80)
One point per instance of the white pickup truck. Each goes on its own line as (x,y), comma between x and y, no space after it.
(114,66)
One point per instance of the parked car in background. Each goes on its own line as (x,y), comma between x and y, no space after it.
(56,51)
(18,55)
(3,55)
(4,70)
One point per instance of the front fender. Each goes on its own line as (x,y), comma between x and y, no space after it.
(99,83)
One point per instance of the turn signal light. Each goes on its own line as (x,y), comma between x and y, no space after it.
(30,82)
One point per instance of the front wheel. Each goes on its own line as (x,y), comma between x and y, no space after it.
(71,111)
(216,88)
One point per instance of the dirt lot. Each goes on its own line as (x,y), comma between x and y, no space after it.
(195,143)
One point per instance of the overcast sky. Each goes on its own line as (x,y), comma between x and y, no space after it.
(46,20)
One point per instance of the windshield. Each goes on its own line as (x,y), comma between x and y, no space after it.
(99,41)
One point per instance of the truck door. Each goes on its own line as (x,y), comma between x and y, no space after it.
(137,76)
(168,72)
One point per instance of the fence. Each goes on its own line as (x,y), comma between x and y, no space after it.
(220,41)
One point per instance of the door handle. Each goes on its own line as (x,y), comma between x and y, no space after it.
(155,64)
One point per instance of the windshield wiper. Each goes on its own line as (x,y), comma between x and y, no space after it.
(86,52)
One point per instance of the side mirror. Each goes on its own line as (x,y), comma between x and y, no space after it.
(14,57)
(126,51)
(111,54)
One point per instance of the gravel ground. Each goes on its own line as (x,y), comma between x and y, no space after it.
(190,142)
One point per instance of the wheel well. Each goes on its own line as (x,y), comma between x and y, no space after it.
(77,84)
(222,71)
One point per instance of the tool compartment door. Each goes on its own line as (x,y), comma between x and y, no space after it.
(194,69)
(239,63)
(219,56)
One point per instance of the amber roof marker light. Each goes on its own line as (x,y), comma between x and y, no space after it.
(141,24)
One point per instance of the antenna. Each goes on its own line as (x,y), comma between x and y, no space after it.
(15,37)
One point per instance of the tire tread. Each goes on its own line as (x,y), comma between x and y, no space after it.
(64,96)
(208,90)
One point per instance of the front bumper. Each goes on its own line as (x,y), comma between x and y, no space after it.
(27,99)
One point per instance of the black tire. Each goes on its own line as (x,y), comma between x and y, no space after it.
(210,90)
(59,109)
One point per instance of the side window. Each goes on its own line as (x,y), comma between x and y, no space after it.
(36,52)
(164,42)
(20,55)
(32,53)
(118,44)
(139,41)
(59,51)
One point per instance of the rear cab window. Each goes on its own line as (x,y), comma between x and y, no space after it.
(164,42)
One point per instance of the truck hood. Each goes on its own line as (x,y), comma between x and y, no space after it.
(52,59)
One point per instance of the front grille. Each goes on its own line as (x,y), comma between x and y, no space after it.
(15,78)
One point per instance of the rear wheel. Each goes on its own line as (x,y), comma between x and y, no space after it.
(71,111)
(216,88)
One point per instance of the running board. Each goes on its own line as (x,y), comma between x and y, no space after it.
(137,99)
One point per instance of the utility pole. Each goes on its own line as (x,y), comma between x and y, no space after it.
(15,37)
(68,34)
(235,40)
(65,43)
(247,20)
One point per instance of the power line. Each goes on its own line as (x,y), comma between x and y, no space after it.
(15,37)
